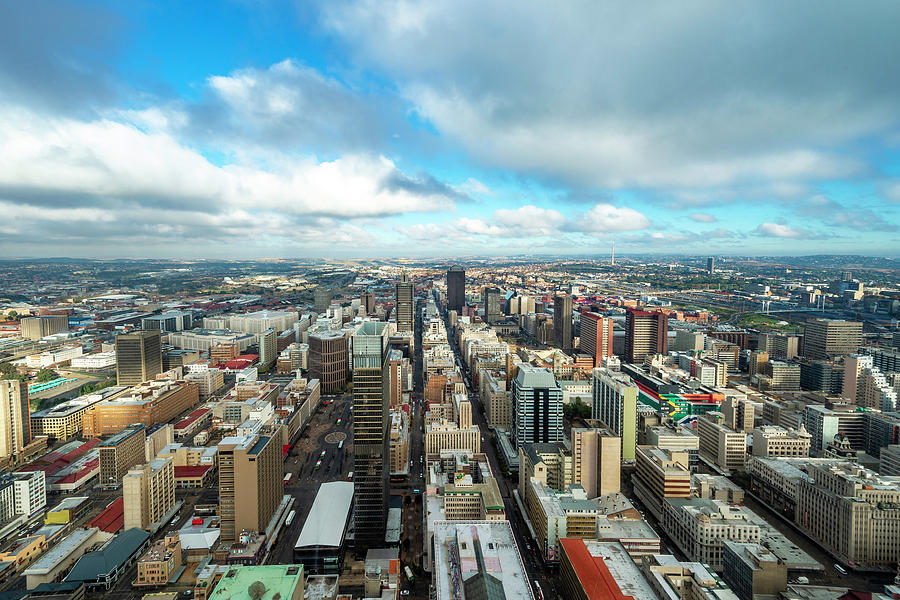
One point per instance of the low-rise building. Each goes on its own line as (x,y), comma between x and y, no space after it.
(159,563)
(721,446)
(750,570)
(772,440)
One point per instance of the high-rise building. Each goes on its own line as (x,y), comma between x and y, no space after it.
(646,333)
(405,308)
(493,305)
(721,445)
(322,298)
(562,321)
(328,360)
(120,453)
(615,404)
(35,328)
(596,336)
(268,348)
(15,418)
(148,491)
(596,460)
(456,289)
(251,475)
(367,300)
(826,338)
(711,265)
(537,406)
(138,356)
(370,432)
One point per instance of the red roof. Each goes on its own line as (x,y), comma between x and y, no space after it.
(186,422)
(112,518)
(86,470)
(197,471)
(237,364)
(592,573)
(250,357)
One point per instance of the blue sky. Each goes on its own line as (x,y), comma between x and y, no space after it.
(257,128)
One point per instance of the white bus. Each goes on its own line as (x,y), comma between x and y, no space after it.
(290,518)
(350,476)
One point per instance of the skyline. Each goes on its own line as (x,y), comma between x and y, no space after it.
(362,129)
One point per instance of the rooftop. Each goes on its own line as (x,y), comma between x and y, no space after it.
(280,580)
(326,521)
(605,570)
(52,557)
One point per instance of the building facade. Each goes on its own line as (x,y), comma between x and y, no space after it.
(138,356)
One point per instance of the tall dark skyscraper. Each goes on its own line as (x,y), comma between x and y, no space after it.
(138,356)
(371,424)
(646,333)
(367,299)
(456,289)
(493,305)
(711,265)
(404,304)
(562,322)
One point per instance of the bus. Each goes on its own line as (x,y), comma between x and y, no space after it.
(290,518)
(409,574)
(537,588)
(840,569)
(350,476)
(341,444)
(287,479)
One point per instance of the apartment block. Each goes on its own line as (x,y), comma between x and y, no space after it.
(15,419)
(596,336)
(615,404)
(660,474)
(120,453)
(596,460)
(827,338)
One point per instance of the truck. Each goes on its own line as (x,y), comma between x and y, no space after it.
(409,574)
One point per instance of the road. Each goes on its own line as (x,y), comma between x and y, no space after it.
(535,566)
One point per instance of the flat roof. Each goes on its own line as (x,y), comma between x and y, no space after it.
(280,580)
(67,546)
(327,519)
(606,570)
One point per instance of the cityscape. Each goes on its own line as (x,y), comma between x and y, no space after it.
(426,300)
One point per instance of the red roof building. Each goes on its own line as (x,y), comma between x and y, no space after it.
(112,518)
(584,576)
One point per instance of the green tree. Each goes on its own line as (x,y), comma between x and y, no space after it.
(45,375)
(8,371)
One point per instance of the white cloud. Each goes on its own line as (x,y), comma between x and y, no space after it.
(606,218)
(781,231)
(702,218)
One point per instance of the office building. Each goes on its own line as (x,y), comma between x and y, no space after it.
(493,305)
(138,356)
(824,339)
(35,328)
(495,399)
(740,413)
(322,299)
(367,301)
(710,265)
(700,526)
(669,437)
(562,321)
(889,464)
(370,432)
(447,435)
(279,582)
(593,570)
(852,511)
(750,569)
(596,336)
(537,406)
(405,303)
(173,320)
(147,404)
(328,360)
(149,492)
(660,473)
(156,566)
(596,460)
(720,445)
(268,351)
(614,403)
(15,419)
(120,453)
(689,341)
(253,323)
(551,464)
(646,334)
(251,476)
(772,440)
(822,376)
(456,289)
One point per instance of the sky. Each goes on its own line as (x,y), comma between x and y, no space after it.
(396,128)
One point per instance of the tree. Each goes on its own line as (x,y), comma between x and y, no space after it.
(7,371)
(257,590)
(45,375)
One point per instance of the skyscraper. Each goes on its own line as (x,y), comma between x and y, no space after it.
(615,404)
(493,305)
(646,333)
(322,298)
(562,321)
(711,265)
(251,473)
(138,356)
(404,304)
(328,360)
(268,344)
(537,406)
(596,336)
(34,328)
(368,302)
(827,338)
(456,289)
(371,425)
(15,418)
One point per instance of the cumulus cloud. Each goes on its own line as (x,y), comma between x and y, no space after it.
(836,214)
(607,218)
(585,103)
